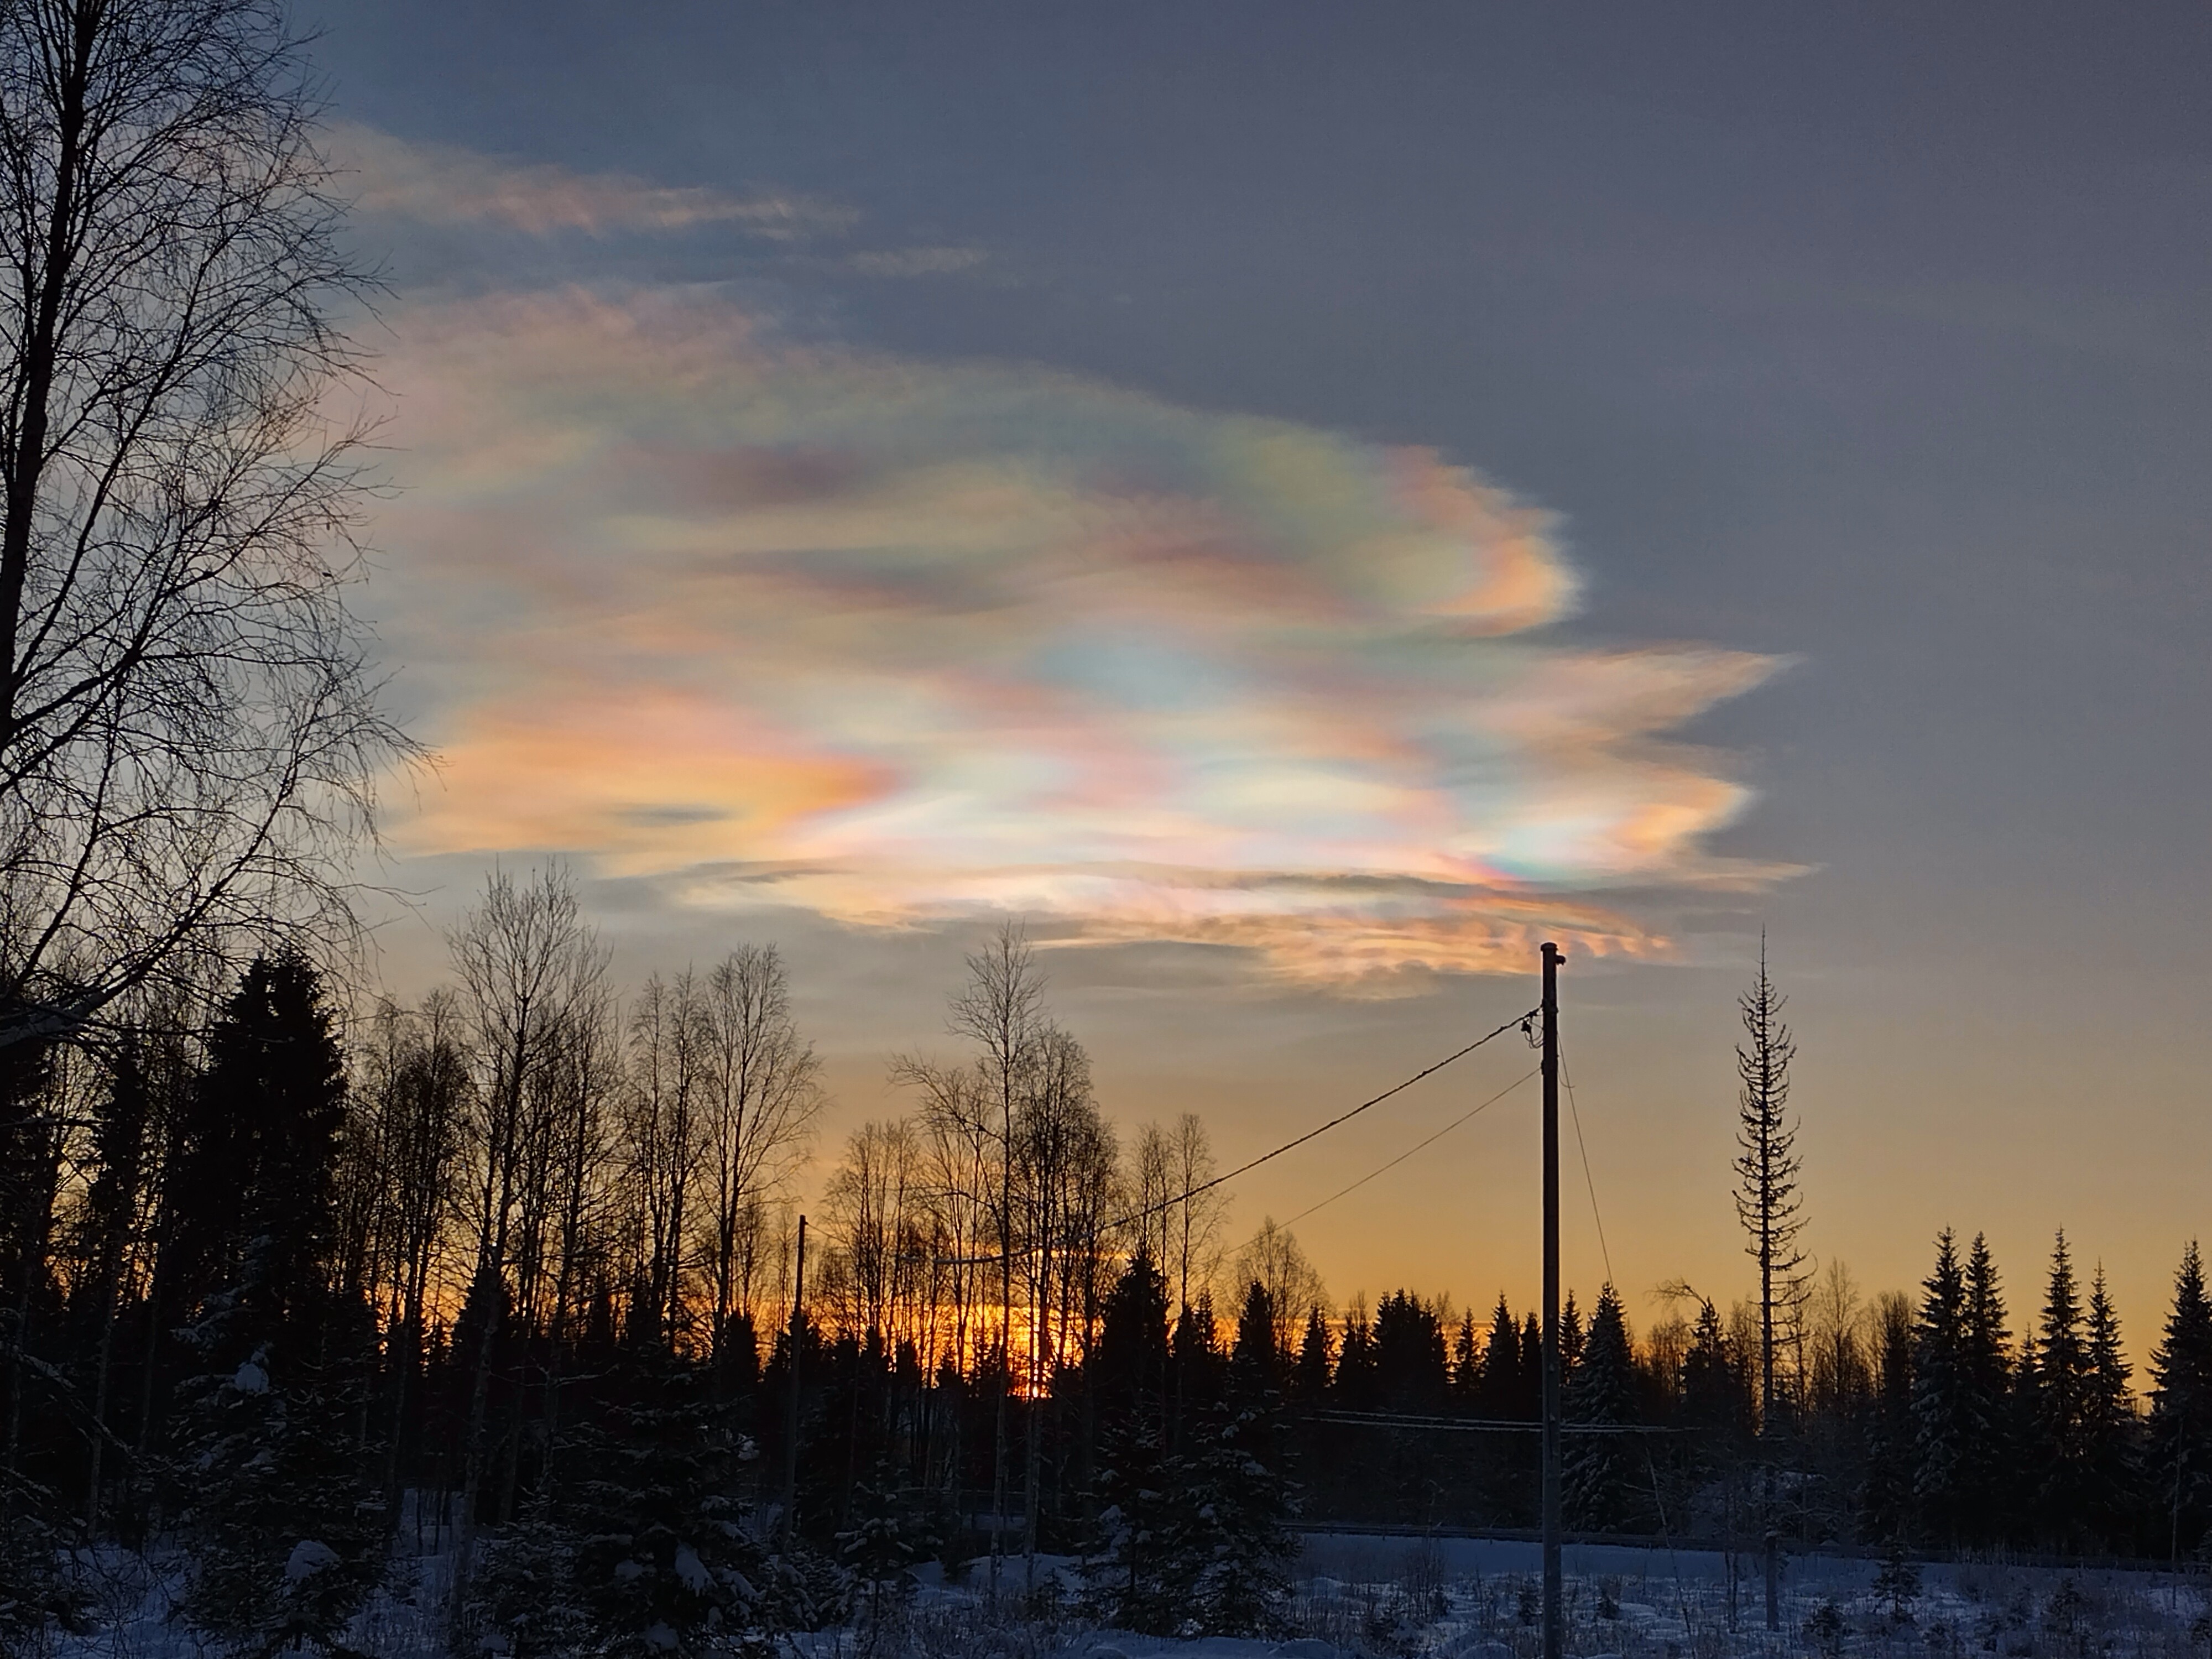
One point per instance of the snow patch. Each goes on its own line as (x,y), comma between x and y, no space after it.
(691,1572)
(250,1378)
(309,1557)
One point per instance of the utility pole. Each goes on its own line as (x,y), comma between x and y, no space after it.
(1555,1615)
(791,1386)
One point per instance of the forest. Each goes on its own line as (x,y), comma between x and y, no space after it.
(518,1269)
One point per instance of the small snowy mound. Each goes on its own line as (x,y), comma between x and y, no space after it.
(692,1571)
(250,1379)
(309,1557)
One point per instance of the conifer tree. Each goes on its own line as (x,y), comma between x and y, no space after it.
(1988,1493)
(1411,1370)
(1501,1366)
(286,1528)
(635,1546)
(1467,1363)
(1355,1385)
(1712,1391)
(2180,1429)
(1531,1408)
(1597,1466)
(1570,1338)
(1942,1427)
(2059,1386)
(1767,1206)
(1254,1354)
(1229,1543)
(1887,1500)
(2110,1471)
(1310,1376)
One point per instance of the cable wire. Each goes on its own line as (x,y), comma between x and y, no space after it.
(1575,1112)
(1517,1021)
(1410,1151)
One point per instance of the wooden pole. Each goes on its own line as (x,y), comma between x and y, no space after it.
(791,1386)
(1554,1617)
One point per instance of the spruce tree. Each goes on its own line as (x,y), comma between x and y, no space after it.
(283,1519)
(2058,1383)
(1411,1368)
(1467,1364)
(1598,1467)
(1766,1202)
(636,1545)
(1129,1571)
(1501,1366)
(1531,1408)
(1355,1383)
(1310,1376)
(1712,1389)
(1989,1495)
(2180,1429)
(2111,1474)
(1941,1425)
(1230,1545)
(1886,1505)
(1254,1353)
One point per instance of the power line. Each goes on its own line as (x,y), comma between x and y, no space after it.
(1575,1112)
(1321,1129)
(1410,1151)
(1169,1203)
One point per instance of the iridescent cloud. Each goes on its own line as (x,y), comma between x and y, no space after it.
(445,184)
(898,642)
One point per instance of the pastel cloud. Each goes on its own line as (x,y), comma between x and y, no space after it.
(899,641)
(447,185)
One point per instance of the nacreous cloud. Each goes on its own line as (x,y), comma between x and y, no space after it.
(445,184)
(899,641)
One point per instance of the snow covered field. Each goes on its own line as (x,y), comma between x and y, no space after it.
(1454,1598)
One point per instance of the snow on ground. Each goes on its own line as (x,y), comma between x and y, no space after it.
(1379,1598)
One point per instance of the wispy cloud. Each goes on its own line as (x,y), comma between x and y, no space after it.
(898,642)
(915,261)
(445,184)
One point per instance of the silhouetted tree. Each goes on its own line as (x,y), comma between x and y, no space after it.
(1767,1205)
(1942,1413)
(286,1532)
(1598,1467)
(1989,1480)
(2059,1386)
(1310,1375)
(1502,1389)
(189,737)
(2180,1429)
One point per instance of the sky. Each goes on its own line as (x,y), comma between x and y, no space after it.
(1302,502)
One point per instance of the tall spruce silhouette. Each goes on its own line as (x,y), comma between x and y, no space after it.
(1767,1204)
(2058,1388)
(1941,1429)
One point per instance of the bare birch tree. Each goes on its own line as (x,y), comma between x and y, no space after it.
(526,962)
(1002,1011)
(762,1096)
(189,735)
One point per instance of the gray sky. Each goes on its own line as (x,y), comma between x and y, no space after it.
(1869,339)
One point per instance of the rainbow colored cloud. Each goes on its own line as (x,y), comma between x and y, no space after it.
(899,641)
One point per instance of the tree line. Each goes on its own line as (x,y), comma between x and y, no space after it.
(492,1266)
